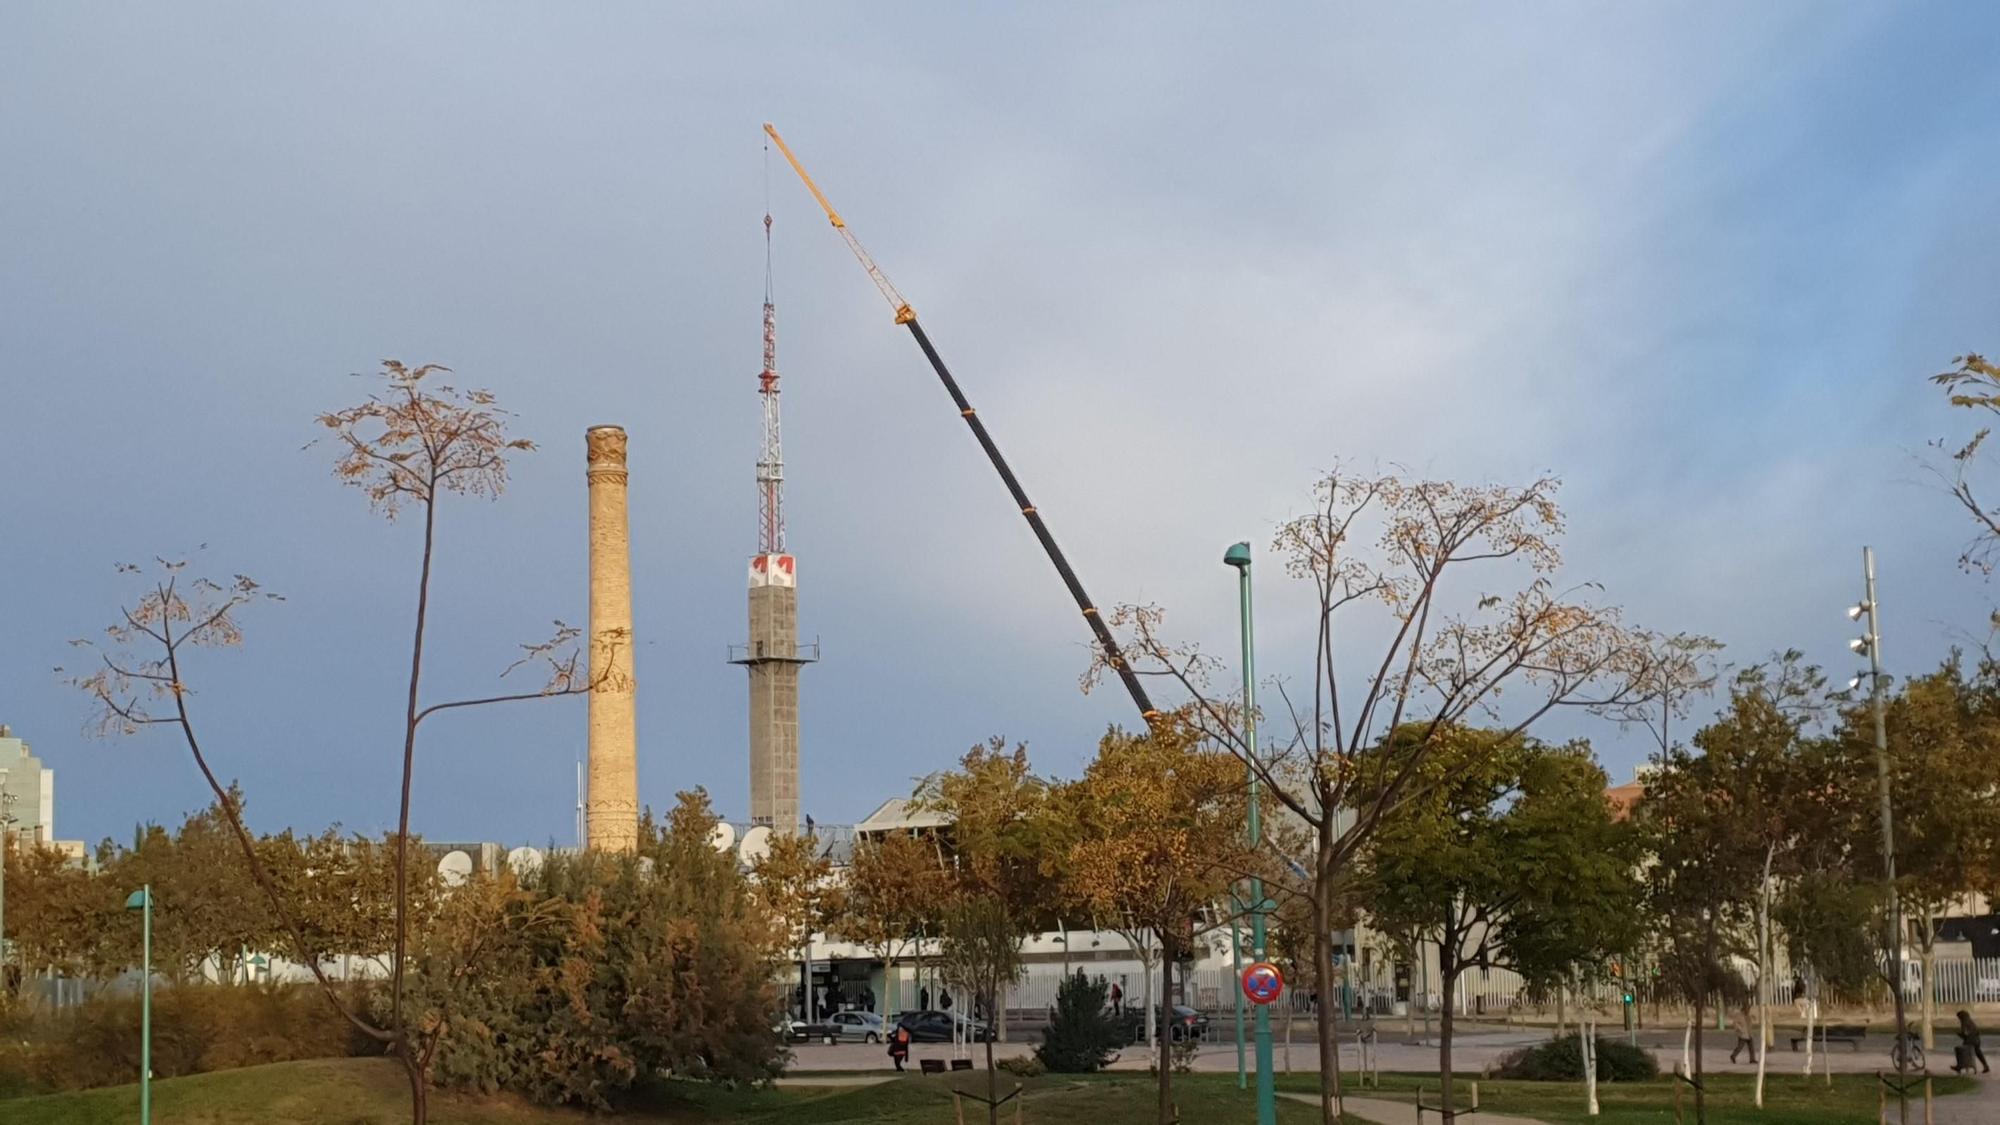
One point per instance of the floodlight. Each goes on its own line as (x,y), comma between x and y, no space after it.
(1858,644)
(1854,612)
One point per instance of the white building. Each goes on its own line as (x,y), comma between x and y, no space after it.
(27,792)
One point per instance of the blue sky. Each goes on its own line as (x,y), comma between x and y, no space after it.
(1694,259)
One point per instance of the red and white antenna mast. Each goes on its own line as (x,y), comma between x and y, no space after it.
(771,460)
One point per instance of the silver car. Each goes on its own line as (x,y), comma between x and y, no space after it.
(865,1026)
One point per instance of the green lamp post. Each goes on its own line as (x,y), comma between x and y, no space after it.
(142,901)
(1238,556)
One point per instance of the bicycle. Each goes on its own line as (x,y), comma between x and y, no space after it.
(1906,1054)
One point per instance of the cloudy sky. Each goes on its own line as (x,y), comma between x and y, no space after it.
(1694,259)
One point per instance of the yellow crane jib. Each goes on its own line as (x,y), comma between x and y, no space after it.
(907,316)
(904,313)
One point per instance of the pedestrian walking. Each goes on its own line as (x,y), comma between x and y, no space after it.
(1745,1037)
(899,1045)
(1117,999)
(944,999)
(924,999)
(1968,1046)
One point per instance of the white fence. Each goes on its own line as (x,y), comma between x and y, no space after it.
(1489,992)
(1973,980)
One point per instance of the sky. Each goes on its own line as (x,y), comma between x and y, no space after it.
(1695,259)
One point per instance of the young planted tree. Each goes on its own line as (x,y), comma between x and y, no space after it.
(1702,885)
(1828,902)
(1391,561)
(57,914)
(1158,841)
(979,952)
(1944,767)
(895,888)
(412,443)
(1755,751)
(1002,852)
(1508,856)
(795,883)
(210,911)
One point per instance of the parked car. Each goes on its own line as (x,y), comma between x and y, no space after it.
(799,1031)
(1181,1023)
(865,1026)
(937,1027)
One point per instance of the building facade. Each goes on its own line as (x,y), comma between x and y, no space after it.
(27,792)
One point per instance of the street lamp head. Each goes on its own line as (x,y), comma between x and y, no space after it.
(139,899)
(1855,611)
(1855,683)
(1859,644)
(1238,555)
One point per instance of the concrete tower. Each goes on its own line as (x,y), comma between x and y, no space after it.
(611,815)
(773,654)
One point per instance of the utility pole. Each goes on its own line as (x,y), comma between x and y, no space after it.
(1238,556)
(1871,643)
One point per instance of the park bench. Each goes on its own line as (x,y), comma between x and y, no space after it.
(1848,1033)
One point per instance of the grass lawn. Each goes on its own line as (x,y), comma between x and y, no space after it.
(1788,1099)
(371,1092)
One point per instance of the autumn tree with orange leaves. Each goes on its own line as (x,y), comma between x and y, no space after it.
(896,884)
(1156,842)
(413,442)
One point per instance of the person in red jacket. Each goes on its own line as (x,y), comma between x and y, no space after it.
(899,1045)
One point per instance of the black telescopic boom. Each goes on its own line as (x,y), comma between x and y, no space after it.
(1112,654)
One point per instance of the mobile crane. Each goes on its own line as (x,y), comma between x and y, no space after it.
(907,316)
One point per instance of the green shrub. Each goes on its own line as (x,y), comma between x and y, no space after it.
(604,971)
(1082,1037)
(1022,1066)
(1561,1060)
(197,1028)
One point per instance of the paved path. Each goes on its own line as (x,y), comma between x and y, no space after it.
(1975,1107)
(1474,1049)
(1381,1111)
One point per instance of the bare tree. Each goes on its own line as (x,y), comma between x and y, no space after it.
(1974,384)
(410,443)
(1442,655)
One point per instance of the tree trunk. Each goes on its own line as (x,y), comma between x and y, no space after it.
(1328,1032)
(1926,961)
(1152,1009)
(1810,1009)
(420,1101)
(1763,973)
(1587,1043)
(1687,1044)
(1165,1052)
(419,1109)
(1448,970)
(1700,1095)
(992,1076)
(1410,1005)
